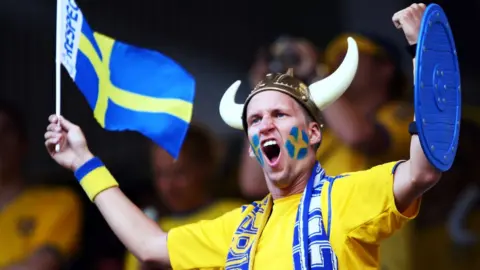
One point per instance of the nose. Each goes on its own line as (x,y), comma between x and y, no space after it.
(266,125)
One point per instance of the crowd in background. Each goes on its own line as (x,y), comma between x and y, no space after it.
(58,228)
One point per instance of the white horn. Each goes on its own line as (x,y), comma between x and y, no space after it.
(328,90)
(230,111)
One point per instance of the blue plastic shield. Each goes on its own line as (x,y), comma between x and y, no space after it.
(438,100)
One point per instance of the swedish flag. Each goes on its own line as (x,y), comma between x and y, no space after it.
(128,88)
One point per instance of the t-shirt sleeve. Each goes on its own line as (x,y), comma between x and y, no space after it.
(363,204)
(203,244)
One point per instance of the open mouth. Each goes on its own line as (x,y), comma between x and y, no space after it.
(271,150)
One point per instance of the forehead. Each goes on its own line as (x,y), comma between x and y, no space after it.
(270,100)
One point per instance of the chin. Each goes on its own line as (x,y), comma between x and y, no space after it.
(279,179)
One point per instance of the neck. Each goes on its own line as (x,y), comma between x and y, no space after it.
(296,187)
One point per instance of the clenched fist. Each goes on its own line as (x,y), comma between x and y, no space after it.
(73,146)
(409,20)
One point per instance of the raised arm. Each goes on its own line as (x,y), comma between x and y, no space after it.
(415,176)
(138,233)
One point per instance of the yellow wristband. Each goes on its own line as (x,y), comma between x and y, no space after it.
(94,178)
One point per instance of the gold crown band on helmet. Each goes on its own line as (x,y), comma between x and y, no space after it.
(314,98)
(287,84)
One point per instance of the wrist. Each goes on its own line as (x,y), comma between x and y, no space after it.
(81,160)
(94,177)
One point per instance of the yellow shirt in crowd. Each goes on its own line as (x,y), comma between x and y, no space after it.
(336,157)
(214,210)
(359,211)
(37,218)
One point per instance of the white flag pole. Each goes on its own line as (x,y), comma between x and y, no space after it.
(58,63)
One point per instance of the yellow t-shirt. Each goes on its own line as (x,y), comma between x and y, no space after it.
(167,223)
(37,218)
(337,157)
(359,211)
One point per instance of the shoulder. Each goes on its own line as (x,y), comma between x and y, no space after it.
(225,205)
(254,204)
(379,171)
(48,207)
(53,198)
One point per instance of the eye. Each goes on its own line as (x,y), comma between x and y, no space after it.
(254,120)
(280,115)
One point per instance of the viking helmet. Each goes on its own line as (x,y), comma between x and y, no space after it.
(313,98)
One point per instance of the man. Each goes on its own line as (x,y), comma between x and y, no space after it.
(184,186)
(308,220)
(39,226)
(364,127)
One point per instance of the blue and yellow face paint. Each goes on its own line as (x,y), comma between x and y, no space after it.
(297,143)
(255,143)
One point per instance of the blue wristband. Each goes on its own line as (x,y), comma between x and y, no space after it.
(86,168)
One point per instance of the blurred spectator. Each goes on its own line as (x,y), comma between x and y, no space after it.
(289,52)
(448,227)
(368,125)
(39,226)
(185,186)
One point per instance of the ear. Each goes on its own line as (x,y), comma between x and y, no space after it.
(314,133)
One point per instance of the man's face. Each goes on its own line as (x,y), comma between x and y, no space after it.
(178,183)
(11,149)
(280,137)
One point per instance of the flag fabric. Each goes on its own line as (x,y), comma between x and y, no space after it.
(127,87)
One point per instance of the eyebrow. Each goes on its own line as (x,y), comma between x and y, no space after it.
(253,115)
(278,107)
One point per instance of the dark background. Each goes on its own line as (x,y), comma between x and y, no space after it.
(214,40)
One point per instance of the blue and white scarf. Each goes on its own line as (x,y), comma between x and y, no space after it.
(311,246)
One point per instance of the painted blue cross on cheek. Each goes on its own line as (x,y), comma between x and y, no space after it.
(255,143)
(297,143)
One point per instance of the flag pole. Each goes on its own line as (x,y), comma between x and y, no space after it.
(58,73)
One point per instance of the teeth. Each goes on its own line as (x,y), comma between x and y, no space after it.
(269,142)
